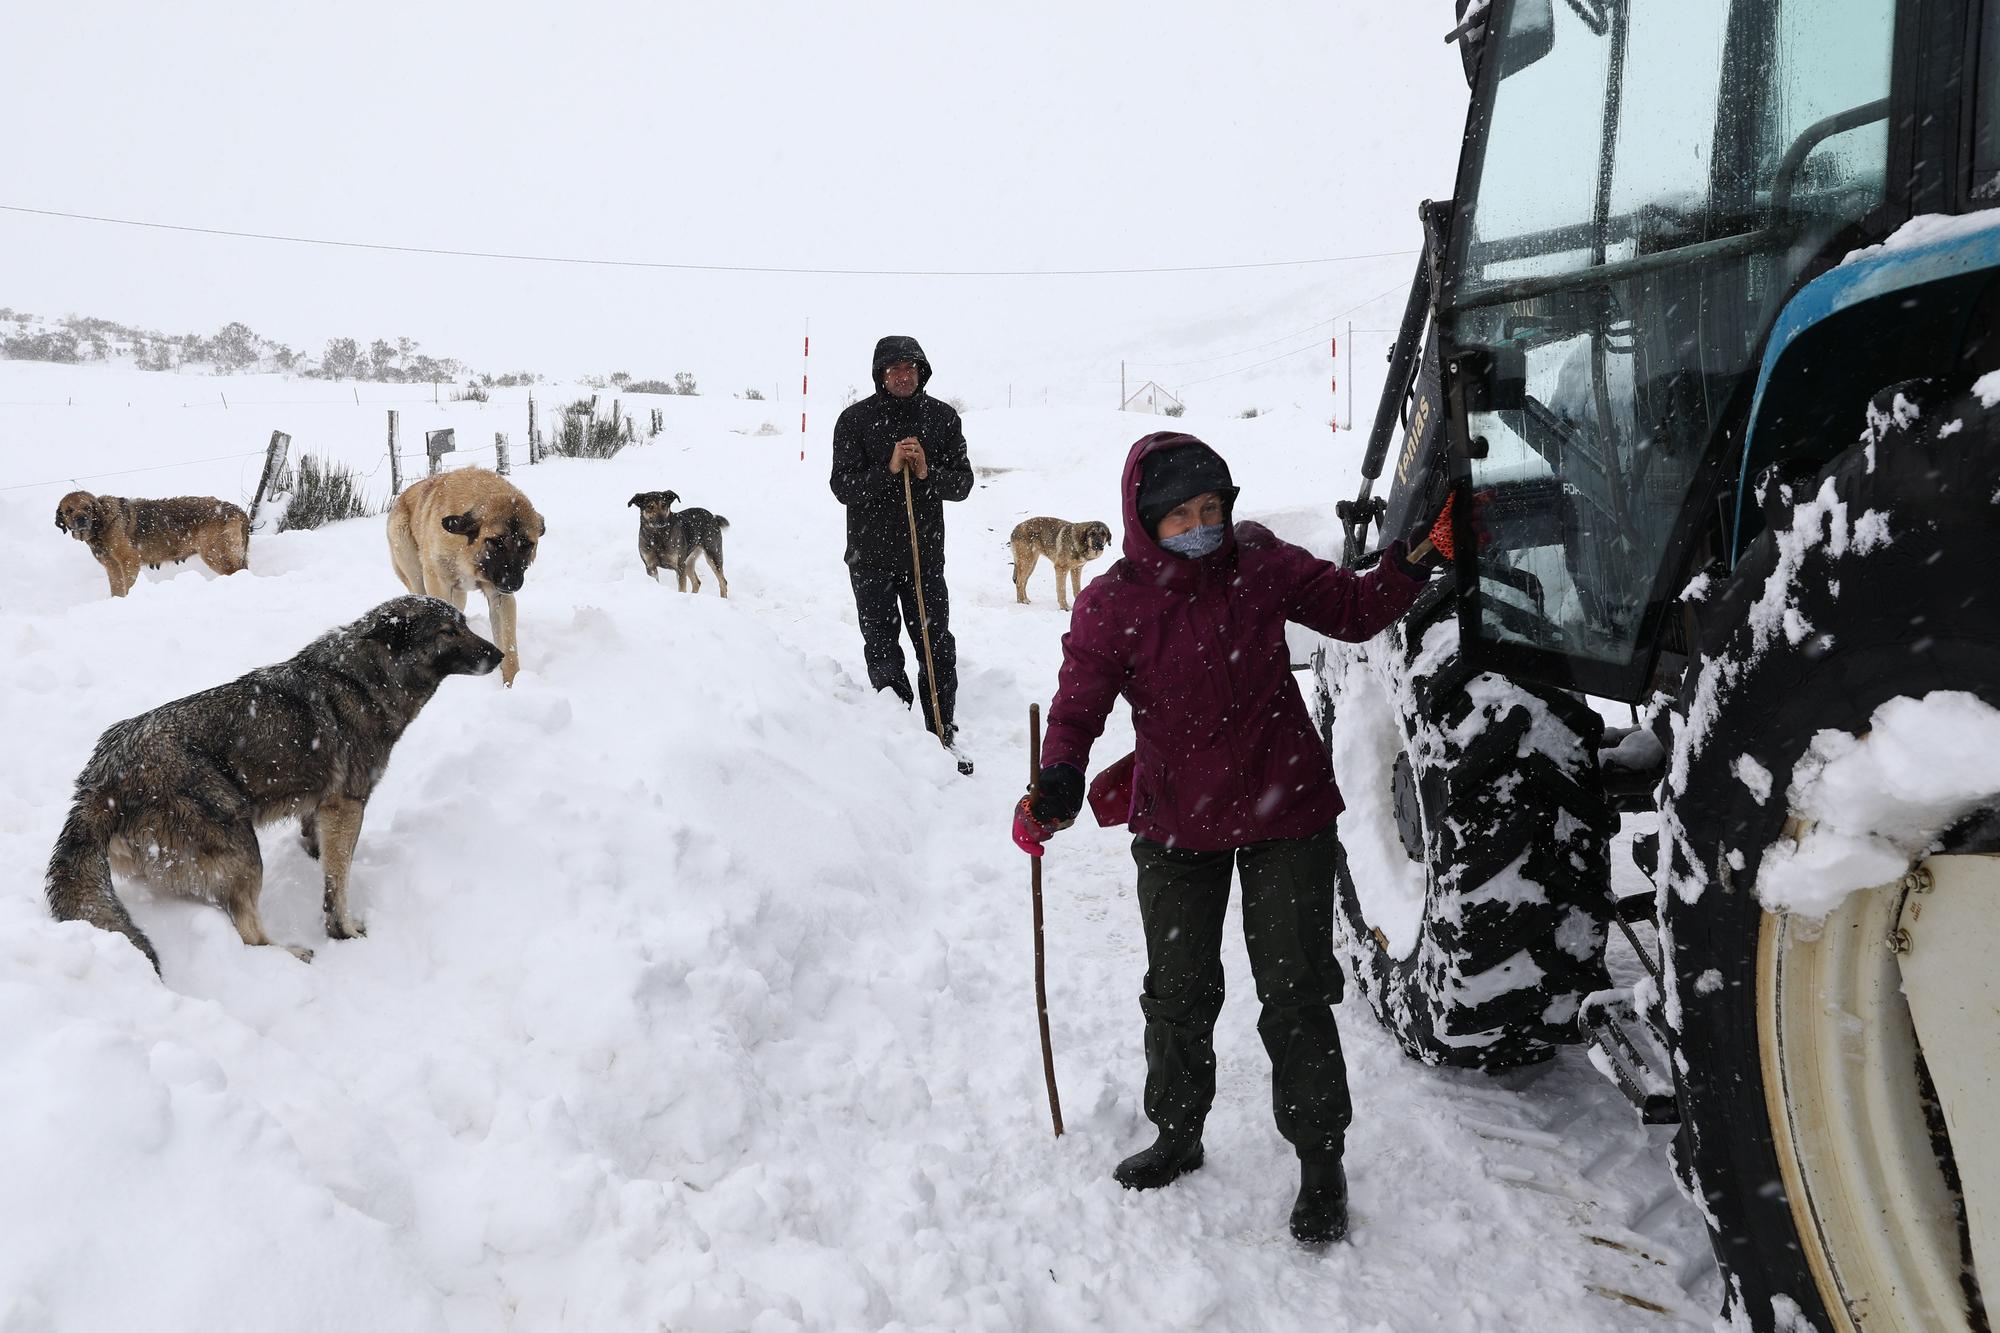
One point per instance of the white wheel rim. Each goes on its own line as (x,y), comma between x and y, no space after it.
(1840,1039)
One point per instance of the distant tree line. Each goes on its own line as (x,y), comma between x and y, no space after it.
(234,348)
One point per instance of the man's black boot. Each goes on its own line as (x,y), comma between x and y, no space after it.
(1162,1164)
(1320,1215)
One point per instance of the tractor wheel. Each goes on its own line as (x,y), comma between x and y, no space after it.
(1473,882)
(1836,1044)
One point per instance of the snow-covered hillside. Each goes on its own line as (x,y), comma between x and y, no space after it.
(697,992)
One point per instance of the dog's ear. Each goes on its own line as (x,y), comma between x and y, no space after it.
(465,525)
(390,628)
(637,500)
(60,525)
(670,497)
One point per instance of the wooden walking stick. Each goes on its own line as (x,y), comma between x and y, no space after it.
(1035,884)
(924,619)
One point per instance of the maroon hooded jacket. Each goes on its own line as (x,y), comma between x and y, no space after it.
(1226,751)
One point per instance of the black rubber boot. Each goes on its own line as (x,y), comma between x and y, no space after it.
(1320,1215)
(1162,1164)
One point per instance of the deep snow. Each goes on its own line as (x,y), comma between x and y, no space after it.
(697,990)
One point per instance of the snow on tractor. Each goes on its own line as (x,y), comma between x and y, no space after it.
(1707,344)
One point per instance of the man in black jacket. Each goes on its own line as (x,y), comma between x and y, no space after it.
(897,429)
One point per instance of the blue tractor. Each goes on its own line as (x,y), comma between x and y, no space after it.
(1707,346)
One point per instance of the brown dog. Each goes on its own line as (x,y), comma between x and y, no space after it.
(468,529)
(125,534)
(1069,547)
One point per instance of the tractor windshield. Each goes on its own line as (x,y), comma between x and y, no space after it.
(1644,186)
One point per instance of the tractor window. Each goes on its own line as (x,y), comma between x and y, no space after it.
(1826,58)
(1710,151)
(1542,155)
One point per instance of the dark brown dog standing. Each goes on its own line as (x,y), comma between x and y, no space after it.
(672,540)
(125,534)
(465,529)
(1069,547)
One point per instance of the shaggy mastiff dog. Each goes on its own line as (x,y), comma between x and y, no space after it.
(174,797)
(125,534)
(468,529)
(1069,547)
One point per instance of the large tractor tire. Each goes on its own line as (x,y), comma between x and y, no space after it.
(1837,1126)
(1474,877)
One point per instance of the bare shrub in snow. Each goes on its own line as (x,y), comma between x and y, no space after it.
(323,491)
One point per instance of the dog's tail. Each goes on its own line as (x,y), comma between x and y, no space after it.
(721,522)
(236,524)
(79,884)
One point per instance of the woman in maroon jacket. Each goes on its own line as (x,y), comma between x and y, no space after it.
(1190,628)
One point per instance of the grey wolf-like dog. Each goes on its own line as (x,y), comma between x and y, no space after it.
(173,797)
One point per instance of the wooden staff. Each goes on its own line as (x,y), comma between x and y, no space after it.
(1035,884)
(923,616)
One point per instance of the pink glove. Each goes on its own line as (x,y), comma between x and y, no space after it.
(1029,832)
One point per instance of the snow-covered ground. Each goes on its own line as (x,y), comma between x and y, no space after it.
(697,992)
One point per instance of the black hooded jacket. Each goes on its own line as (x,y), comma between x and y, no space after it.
(878,526)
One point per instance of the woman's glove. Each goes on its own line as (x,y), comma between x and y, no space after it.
(1436,548)
(1048,809)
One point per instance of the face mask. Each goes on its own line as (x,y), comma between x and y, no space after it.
(1195,542)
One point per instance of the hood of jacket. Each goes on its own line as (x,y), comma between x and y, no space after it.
(1151,561)
(899,347)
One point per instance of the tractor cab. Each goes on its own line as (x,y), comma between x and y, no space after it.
(1642,189)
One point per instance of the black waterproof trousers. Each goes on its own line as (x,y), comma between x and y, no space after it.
(1288,888)
(885,601)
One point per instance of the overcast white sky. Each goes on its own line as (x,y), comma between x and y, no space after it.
(892,136)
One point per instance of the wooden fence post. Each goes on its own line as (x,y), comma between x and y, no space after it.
(500,452)
(274,461)
(534,437)
(395,463)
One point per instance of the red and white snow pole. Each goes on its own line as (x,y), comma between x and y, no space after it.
(1333,383)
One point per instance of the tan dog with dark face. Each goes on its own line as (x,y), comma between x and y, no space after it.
(125,534)
(1069,547)
(468,529)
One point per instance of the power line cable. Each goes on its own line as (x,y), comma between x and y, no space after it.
(1312,346)
(695,268)
(1281,338)
(1282,356)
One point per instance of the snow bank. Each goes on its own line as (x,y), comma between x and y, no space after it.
(697,988)
(1877,801)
